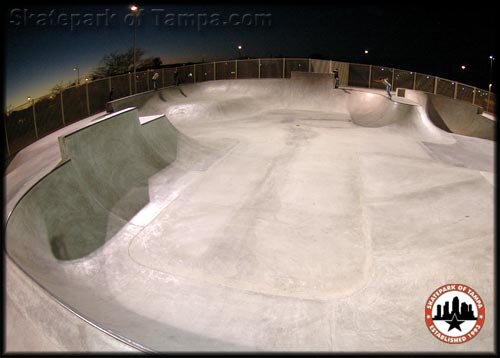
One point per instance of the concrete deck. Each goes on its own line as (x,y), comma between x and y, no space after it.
(249,215)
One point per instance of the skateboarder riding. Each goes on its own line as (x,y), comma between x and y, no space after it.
(387,84)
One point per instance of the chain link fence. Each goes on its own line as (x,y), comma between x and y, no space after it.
(205,72)
(299,65)
(445,88)
(319,66)
(247,69)
(19,128)
(121,86)
(359,75)
(403,79)
(225,70)
(378,74)
(74,101)
(99,94)
(48,115)
(425,83)
(271,68)
(186,74)
(465,93)
(168,78)
(40,117)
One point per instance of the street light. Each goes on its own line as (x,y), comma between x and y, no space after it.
(34,115)
(491,68)
(489,97)
(77,75)
(463,67)
(491,83)
(135,11)
(366,52)
(239,51)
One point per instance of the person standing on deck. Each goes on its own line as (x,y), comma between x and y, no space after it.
(176,77)
(336,77)
(155,78)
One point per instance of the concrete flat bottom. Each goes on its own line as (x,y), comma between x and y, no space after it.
(289,229)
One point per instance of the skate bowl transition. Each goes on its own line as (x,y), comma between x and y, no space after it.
(260,214)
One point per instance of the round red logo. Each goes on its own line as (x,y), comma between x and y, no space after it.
(454,313)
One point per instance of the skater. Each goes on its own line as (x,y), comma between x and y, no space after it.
(387,84)
(176,77)
(155,78)
(388,87)
(336,77)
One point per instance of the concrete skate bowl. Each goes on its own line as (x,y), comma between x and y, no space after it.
(454,116)
(246,215)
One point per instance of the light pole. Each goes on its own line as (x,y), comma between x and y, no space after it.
(34,115)
(239,51)
(490,84)
(491,68)
(489,97)
(77,75)
(135,11)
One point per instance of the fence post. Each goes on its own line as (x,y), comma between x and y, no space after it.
(488,101)
(283,67)
(162,78)
(309,66)
(62,108)
(194,73)
(147,78)
(109,83)
(236,71)
(392,83)
(87,93)
(6,136)
(330,63)
(369,76)
(129,84)
(414,80)
(435,85)
(215,77)
(259,67)
(455,92)
(474,95)
(34,118)
(347,74)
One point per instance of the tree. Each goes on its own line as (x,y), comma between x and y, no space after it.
(150,63)
(61,86)
(117,63)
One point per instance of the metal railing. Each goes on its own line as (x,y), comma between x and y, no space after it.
(39,117)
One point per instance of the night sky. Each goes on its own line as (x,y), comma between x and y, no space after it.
(425,38)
